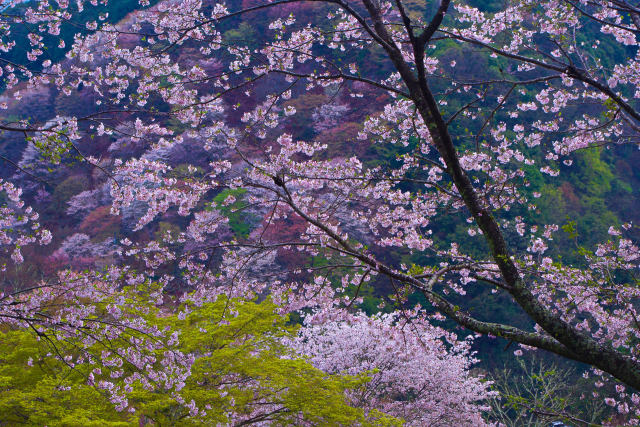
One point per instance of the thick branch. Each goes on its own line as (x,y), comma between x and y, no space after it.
(435,23)
(583,346)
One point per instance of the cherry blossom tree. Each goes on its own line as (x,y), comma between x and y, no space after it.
(467,148)
(416,378)
(19,224)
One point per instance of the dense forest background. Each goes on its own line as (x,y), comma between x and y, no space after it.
(601,188)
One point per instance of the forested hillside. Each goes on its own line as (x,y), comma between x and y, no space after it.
(319,213)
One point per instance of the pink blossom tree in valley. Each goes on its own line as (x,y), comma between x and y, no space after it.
(467,148)
(415,376)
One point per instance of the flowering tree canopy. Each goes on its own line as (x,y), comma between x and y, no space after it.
(416,377)
(223,121)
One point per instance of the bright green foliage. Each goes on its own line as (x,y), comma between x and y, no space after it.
(238,220)
(594,176)
(53,147)
(245,353)
(241,364)
(37,395)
